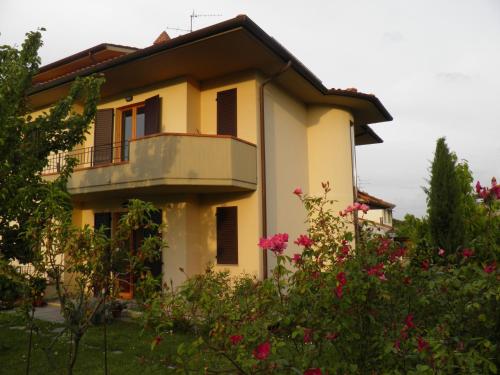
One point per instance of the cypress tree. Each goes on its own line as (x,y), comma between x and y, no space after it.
(444,203)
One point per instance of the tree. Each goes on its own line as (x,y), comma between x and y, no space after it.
(26,142)
(444,200)
(86,264)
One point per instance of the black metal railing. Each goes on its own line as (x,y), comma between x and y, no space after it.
(89,156)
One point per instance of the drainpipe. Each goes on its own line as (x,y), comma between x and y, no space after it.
(263,158)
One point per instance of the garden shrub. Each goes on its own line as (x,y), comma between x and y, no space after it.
(338,309)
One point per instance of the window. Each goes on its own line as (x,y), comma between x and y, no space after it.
(226,112)
(131,127)
(227,235)
(136,121)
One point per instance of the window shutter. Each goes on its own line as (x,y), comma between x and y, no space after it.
(152,115)
(103,219)
(227,235)
(226,113)
(103,137)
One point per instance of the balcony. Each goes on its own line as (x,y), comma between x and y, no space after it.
(162,163)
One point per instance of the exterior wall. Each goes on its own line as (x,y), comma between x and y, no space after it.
(330,153)
(247,104)
(286,164)
(379,216)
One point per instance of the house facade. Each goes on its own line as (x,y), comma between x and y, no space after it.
(380,215)
(215,128)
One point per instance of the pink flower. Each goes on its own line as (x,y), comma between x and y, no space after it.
(422,344)
(425,265)
(365,208)
(262,351)
(313,371)
(468,253)
(298,191)
(356,206)
(478,187)
(303,240)
(297,258)
(330,336)
(307,335)
(441,252)
(276,243)
(235,339)
(490,267)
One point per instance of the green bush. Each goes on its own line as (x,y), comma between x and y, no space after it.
(377,308)
(10,288)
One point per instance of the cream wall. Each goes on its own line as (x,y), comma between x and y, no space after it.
(330,159)
(247,104)
(286,164)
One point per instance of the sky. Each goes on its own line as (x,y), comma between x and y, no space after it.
(434,64)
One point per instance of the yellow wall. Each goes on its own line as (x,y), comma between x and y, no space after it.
(329,144)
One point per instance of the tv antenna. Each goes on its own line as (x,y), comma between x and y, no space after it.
(192,16)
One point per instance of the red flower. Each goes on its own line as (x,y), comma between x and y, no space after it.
(468,253)
(489,268)
(409,321)
(235,339)
(377,270)
(422,344)
(407,280)
(297,258)
(307,335)
(339,291)
(303,240)
(298,191)
(399,253)
(397,345)
(341,278)
(313,371)
(425,265)
(441,252)
(262,351)
(330,336)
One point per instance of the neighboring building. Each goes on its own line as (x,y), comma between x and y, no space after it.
(179,124)
(380,213)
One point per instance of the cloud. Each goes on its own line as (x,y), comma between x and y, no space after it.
(453,76)
(393,37)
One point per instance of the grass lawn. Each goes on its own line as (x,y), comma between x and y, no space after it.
(129,349)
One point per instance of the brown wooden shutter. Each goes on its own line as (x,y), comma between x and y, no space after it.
(152,115)
(103,219)
(226,112)
(103,137)
(227,235)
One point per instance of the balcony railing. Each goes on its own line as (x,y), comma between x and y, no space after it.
(89,156)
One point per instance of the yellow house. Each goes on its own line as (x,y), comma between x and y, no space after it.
(216,128)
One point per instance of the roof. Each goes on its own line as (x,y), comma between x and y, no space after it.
(374,202)
(80,60)
(367,107)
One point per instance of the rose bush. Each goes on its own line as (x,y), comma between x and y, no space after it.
(339,308)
